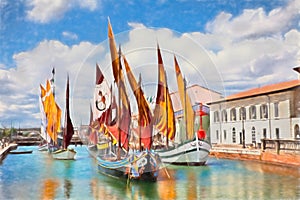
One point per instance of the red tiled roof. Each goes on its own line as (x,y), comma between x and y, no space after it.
(265,89)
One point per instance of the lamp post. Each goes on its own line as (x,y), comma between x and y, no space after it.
(243,132)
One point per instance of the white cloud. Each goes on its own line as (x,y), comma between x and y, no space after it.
(44,11)
(227,55)
(70,35)
(20,86)
(135,25)
(256,22)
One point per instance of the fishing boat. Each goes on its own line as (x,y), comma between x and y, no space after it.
(66,153)
(189,147)
(116,156)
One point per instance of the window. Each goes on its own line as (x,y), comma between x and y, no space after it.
(224,134)
(297,131)
(216,116)
(265,133)
(252,112)
(276,111)
(224,116)
(253,135)
(242,113)
(277,133)
(217,134)
(233,114)
(264,111)
(233,135)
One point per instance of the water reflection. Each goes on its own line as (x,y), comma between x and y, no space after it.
(49,188)
(41,177)
(67,188)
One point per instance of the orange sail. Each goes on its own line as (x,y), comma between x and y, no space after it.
(164,118)
(188,112)
(124,112)
(145,116)
(53,117)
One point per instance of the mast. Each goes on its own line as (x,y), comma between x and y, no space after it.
(119,107)
(167,113)
(185,109)
(139,117)
(52,81)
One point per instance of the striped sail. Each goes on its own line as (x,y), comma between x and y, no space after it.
(164,118)
(188,112)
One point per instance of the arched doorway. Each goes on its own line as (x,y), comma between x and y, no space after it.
(297,131)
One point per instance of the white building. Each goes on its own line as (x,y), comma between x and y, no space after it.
(272,111)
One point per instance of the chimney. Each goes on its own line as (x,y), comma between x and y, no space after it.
(297,69)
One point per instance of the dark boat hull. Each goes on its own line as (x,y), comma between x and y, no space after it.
(20,152)
(142,166)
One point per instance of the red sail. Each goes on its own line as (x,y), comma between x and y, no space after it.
(68,128)
(144,115)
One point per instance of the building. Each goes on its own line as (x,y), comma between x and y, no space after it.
(271,112)
(197,94)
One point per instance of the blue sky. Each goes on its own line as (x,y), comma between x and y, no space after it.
(242,44)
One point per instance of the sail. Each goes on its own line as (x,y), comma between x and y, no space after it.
(52,111)
(188,112)
(92,132)
(44,134)
(68,126)
(53,117)
(124,114)
(102,95)
(144,112)
(164,118)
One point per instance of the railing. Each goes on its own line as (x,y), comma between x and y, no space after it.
(281,144)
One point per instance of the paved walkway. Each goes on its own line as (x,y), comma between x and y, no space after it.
(5,150)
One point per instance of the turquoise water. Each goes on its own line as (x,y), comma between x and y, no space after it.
(38,176)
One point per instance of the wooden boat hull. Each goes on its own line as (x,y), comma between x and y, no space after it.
(64,154)
(142,166)
(20,152)
(188,153)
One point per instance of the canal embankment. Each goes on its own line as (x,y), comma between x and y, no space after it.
(4,150)
(271,156)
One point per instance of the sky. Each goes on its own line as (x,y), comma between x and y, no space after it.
(225,45)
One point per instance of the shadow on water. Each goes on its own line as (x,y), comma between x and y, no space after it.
(104,187)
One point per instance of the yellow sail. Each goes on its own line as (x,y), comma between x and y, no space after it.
(53,118)
(164,118)
(124,113)
(188,112)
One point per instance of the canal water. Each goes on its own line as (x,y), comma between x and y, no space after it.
(38,176)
